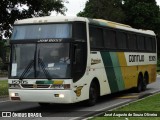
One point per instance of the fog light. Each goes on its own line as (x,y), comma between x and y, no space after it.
(61,95)
(14,94)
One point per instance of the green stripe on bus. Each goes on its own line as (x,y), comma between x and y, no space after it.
(44,82)
(109,71)
(117,70)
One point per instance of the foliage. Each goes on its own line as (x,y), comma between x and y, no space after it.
(3,66)
(3,88)
(10,11)
(142,14)
(104,9)
(2,45)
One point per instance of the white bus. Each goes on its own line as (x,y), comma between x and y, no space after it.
(72,59)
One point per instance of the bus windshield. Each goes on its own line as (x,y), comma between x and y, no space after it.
(21,32)
(42,60)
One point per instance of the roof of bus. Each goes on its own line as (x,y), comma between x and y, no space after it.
(52,19)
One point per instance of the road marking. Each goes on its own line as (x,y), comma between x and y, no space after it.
(100,110)
(128,97)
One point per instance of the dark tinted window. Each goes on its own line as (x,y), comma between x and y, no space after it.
(110,39)
(80,30)
(80,60)
(132,43)
(96,37)
(140,42)
(148,43)
(122,40)
(154,44)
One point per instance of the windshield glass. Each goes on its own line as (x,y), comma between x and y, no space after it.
(42,31)
(22,55)
(49,60)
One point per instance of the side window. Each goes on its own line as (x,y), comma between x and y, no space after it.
(140,42)
(109,39)
(80,30)
(148,43)
(154,44)
(79,60)
(96,37)
(122,40)
(132,42)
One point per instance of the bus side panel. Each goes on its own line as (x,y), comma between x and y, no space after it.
(117,69)
(138,63)
(152,73)
(129,73)
(113,71)
(98,71)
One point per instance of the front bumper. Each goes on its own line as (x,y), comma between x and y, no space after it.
(46,96)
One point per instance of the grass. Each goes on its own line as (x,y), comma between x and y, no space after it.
(150,104)
(3,88)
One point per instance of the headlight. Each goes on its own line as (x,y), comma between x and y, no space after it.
(14,86)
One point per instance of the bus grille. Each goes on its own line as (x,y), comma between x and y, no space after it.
(34,86)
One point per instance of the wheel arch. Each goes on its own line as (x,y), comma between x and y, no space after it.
(96,81)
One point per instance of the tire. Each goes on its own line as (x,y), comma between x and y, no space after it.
(93,95)
(140,84)
(144,85)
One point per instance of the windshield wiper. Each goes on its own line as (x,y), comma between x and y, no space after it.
(40,61)
(27,69)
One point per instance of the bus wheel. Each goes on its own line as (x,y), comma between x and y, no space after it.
(140,84)
(144,83)
(93,94)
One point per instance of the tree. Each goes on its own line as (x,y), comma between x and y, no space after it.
(142,14)
(10,11)
(3,66)
(104,9)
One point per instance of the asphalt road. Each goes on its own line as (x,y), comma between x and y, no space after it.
(78,110)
